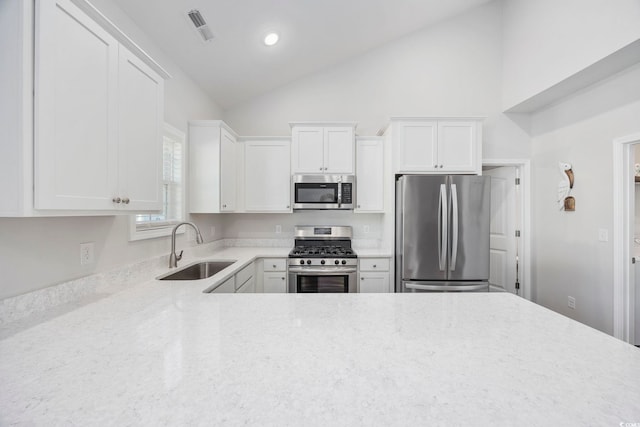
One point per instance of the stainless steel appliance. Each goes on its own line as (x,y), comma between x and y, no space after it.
(442,233)
(323,192)
(322,260)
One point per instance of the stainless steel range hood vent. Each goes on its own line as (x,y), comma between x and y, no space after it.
(200,24)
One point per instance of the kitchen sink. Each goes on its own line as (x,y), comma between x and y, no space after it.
(197,271)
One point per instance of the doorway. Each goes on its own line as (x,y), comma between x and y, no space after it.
(510,226)
(626,257)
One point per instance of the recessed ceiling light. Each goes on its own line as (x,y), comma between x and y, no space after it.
(271,39)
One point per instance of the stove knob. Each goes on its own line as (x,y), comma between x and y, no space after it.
(308,261)
(337,262)
(322,262)
(301,261)
(344,261)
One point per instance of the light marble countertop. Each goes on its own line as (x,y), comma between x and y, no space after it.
(164,353)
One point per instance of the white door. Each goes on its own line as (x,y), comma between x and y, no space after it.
(267,177)
(369,175)
(75,110)
(374,282)
(457,146)
(338,150)
(307,152)
(417,143)
(275,283)
(140,134)
(502,270)
(228,177)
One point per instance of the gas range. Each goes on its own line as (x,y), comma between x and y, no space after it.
(326,245)
(322,260)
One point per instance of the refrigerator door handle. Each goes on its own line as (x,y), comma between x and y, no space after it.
(454,227)
(442,227)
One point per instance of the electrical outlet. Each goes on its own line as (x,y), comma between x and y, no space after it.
(603,235)
(571,302)
(86,253)
(278,229)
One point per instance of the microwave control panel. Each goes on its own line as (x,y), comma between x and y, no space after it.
(346,193)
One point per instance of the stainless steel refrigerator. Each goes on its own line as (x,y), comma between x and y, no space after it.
(442,233)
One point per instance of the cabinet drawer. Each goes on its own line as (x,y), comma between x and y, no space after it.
(275,264)
(275,283)
(227,287)
(243,275)
(374,264)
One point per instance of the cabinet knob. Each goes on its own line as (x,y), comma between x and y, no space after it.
(325,168)
(440,166)
(282,278)
(116,200)
(126,200)
(362,278)
(224,206)
(320,168)
(375,266)
(274,266)
(288,206)
(358,206)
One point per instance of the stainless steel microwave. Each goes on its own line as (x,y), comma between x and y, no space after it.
(323,192)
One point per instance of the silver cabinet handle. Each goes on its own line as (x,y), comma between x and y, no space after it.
(325,168)
(116,200)
(362,278)
(454,227)
(375,266)
(282,278)
(126,200)
(320,168)
(274,266)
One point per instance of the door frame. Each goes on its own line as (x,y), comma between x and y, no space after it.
(623,214)
(524,168)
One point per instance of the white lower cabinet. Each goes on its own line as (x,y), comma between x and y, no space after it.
(374,275)
(274,277)
(227,287)
(245,281)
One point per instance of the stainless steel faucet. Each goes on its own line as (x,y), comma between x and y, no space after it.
(173,258)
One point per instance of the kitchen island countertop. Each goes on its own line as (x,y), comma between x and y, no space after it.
(164,353)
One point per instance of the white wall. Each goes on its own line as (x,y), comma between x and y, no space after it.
(39,252)
(547,41)
(452,68)
(569,259)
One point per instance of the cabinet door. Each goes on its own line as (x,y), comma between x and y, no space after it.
(140,134)
(338,150)
(369,175)
(228,179)
(227,287)
(457,146)
(75,156)
(374,283)
(308,150)
(275,283)
(417,146)
(248,287)
(267,176)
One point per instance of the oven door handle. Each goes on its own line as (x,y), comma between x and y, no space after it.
(322,271)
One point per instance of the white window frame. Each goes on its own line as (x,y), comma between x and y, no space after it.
(165,228)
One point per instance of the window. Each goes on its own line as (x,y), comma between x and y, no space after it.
(147,226)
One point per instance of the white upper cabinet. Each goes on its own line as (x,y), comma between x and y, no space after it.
(427,145)
(319,148)
(213,161)
(141,94)
(76,121)
(267,183)
(370,174)
(89,113)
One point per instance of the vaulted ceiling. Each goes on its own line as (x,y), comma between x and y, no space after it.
(314,35)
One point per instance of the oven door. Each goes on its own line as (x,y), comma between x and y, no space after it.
(317,280)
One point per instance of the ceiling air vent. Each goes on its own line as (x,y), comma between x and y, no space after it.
(200,24)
